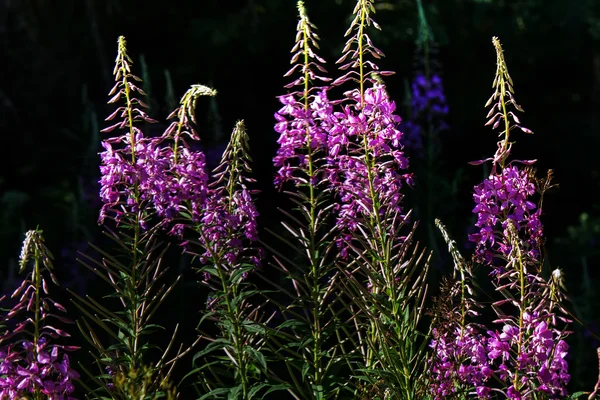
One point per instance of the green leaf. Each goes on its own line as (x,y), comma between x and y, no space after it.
(577,395)
(235,393)
(253,327)
(257,356)
(214,393)
(274,388)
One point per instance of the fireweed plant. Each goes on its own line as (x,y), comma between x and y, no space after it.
(161,184)
(226,235)
(134,197)
(384,272)
(34,363)
(344,159)
(305,339)
(523,354)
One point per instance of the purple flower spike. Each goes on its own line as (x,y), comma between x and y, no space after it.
(501,198)
(30,360)
(366,157)
(123,169)
(305,118)
(528,354)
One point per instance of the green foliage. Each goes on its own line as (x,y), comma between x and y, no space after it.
(387,318)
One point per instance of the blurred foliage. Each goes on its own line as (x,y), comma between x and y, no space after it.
(56,65)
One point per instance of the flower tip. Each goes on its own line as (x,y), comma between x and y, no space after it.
(301,9)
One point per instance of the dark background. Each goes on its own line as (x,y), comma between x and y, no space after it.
(56,62)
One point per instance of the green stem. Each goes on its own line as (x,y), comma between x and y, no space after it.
(506,123)
(233,314)
(313,253)
(133,295)
(522,307)
(125,84)
(375,220)
(134,306)
(37,317)
(231,289)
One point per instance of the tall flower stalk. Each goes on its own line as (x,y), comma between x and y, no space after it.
(214,219)
(33,362)
(384,271)
(526,358)
(132,168)
(303,124)
(225,237)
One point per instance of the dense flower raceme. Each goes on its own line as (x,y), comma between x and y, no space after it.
(177,185)
(120,170)
(428,108)
(25,368)
(164,176)
(460,356)
(225,225)
(121,179)
(302,121)
(366,157)
(501,198)
(541,363)
(466,360)
(31,360)
(341,132)
(296,127)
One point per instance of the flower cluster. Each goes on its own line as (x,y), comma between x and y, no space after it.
(301,129)
(176,184)
(120,170)
(467,359)
(26,368)
(365,152)
(460,357)
(305,118)
(499,199)
(182,182)
(121,179)
(229,216)
(540,365)
(30,359)
(504,198)
(165,176)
